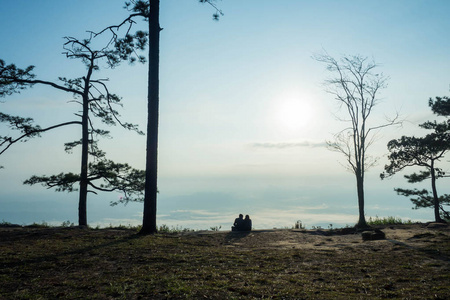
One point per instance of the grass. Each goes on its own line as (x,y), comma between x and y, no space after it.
(387,221)
(67,224)
(178,229)
(72,263)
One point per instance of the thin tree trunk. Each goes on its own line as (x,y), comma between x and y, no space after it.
(360,190)
(151,184)
(437,216)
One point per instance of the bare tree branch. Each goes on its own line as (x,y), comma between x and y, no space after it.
(11,141)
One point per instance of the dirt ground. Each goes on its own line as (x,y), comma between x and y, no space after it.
(412,262)
(415,236)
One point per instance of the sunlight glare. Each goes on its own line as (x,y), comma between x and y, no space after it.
(295,113)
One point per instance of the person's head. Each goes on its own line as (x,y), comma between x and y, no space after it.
(241,216)
(247,217)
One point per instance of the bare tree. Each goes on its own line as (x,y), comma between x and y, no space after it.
(356,86)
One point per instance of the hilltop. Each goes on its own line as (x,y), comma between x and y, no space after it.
(69,263)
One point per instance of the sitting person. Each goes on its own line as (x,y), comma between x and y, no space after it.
(247,226)
(241,224)
(238,223)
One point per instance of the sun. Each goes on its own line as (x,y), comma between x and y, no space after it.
(294,113)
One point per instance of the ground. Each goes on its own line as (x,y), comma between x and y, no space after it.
(413,262)
(411,236)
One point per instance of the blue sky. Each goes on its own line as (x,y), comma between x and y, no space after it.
(244,115)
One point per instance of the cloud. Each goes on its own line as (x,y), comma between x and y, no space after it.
(194,214)
(285,218)
(286,145)
(263,218)
(197,219)
(107,222)
(317,207)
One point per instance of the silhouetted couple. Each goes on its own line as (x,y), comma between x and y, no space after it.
(241,224)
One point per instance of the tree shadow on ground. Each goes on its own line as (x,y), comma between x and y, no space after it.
(234,236)
(42,234)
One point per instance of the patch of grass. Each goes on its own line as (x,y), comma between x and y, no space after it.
(121,227)
(215,228)
(299,225)
(5,223)
(387,221)
(173,229)
(67,224)
(43,224)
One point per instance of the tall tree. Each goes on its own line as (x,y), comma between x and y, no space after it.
(149,10)
(96,101)
(424,152)
(356,87)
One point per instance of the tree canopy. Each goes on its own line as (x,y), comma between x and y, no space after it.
(425,152)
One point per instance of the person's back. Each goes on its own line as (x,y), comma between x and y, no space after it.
(238,223)
(247,224)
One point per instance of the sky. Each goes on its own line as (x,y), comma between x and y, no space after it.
(244,113)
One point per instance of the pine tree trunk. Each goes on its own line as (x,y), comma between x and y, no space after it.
(82,203)
(151,185)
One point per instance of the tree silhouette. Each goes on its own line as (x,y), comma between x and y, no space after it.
(96,102)
(356,88)
(423,152)
(440,106)
(24,126)
(127,45)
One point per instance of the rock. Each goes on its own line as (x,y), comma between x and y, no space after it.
(373,235)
